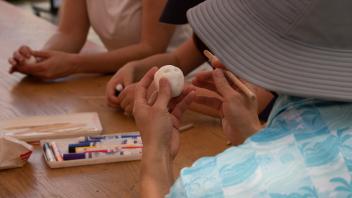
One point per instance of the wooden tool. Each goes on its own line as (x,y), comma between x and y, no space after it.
(232,77)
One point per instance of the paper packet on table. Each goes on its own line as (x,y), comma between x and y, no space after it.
(13,152)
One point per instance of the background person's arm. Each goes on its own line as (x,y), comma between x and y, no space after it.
(73,28)
(155,38)
(70,35)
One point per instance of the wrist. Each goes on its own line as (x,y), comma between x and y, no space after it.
(74,61)
(154,157)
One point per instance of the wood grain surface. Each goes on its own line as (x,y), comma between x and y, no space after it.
(25,96)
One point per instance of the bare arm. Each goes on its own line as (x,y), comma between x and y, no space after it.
(156,174)
(187,57)
(155,37)
(73,28)
(69,37)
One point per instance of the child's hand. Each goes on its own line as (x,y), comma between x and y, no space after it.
(19,57)
(53,64)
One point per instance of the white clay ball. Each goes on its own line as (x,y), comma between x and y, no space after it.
(175,77)
(31,60)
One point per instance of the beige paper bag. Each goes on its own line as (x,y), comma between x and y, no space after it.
(13,152)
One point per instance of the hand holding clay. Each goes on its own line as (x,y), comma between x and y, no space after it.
(175,77)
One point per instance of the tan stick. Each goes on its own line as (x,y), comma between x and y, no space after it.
(241,85)
(186,127)
(46,128)
(38,126)
(232,77)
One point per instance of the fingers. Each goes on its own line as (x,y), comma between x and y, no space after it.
(129,108)
(222,85)
(152,98)
(33,69)
(12,61)
(13,64)
(12,69)
(185,92)
(143,84)
(247,92)
(204,80)
(206,85)
(210,56)
(115,90)
(183,105)
(19,57)
(202,77)
(164,94)
(127,79)
(126,97)
(111,96)
(25,51)
(211,102)
(41,54)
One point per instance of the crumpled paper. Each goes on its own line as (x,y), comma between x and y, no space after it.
(13,152)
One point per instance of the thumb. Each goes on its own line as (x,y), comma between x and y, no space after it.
(41,54)
(164,94)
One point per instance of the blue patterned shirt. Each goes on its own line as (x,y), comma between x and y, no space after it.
(305,151)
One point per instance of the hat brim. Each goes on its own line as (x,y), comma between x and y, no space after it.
(263,57)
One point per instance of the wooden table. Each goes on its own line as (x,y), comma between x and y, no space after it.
(24,96)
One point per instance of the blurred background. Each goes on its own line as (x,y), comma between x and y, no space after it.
(48,10)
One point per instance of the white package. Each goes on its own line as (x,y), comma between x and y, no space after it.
(13,152)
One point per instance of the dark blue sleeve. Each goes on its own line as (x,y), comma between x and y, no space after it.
(175,11)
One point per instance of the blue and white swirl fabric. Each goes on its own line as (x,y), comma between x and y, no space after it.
(304,152)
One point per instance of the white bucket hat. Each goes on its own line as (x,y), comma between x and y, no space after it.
(295,47)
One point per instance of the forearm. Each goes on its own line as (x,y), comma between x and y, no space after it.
(109,62)
(158,60)
(64,42)
(68,38)
(156,173)
(186,57)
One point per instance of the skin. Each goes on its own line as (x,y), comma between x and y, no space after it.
(187,57)
(159,134)
(59,58)
(161,137)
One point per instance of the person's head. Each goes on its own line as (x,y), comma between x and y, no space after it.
(301,48)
